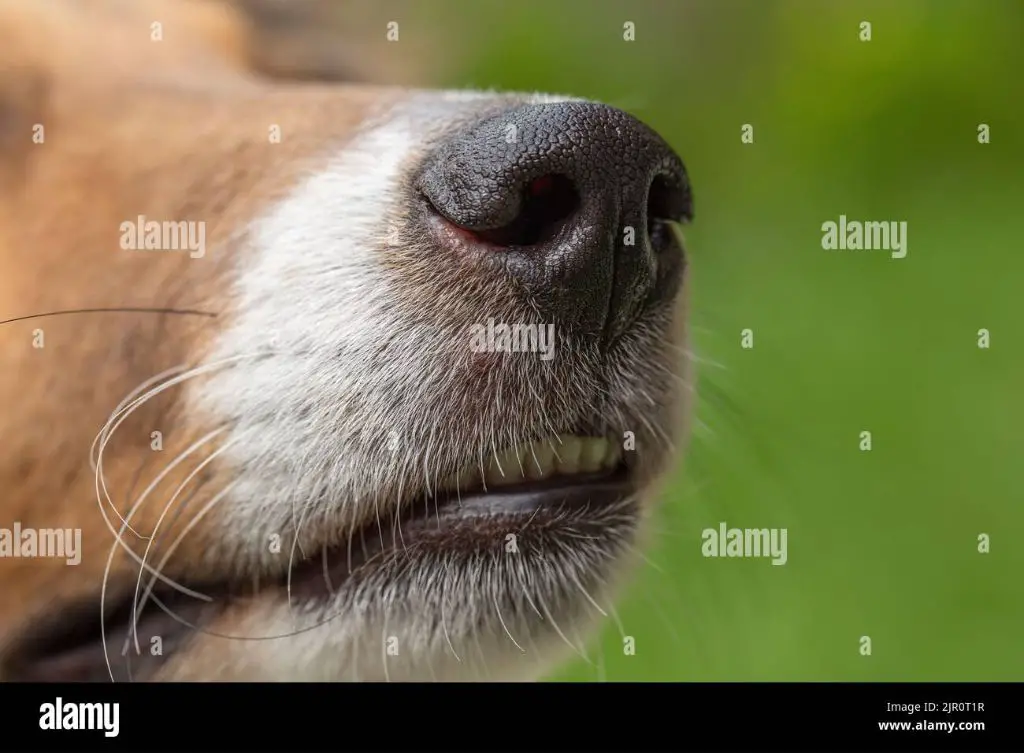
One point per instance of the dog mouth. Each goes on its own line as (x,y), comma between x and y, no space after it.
(471,511)
(475,508)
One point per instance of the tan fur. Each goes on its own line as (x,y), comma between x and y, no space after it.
(169,130)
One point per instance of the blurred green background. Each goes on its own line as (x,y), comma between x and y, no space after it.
(882,543)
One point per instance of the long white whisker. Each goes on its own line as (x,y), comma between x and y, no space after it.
(128,398)
(504,626)
(526,591)
(120,415)
(579,651)
(195,471)
(181,536)
(444,624)
(157,575)
(586,594)
(106,576)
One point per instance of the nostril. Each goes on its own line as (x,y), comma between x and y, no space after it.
(545,204)
(666,203)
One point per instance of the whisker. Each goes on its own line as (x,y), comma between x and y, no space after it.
(504,626)
(657,432)
(128,398)
(662,616)
(576,649)
(121,414)
(195,471)
(589,598)
(157,574)
(296,545)
(327,573)
(444,623)
(518,571)
(646,559)
(177,542)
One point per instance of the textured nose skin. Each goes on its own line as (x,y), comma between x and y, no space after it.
(574,198)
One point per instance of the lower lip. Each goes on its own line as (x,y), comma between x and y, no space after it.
(532,498)
(477,520)
(460,519)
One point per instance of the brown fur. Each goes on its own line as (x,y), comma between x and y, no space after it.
(171,130)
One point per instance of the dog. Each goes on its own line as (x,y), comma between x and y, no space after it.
(308,381)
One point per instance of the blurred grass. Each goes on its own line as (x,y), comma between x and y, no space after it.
(881,543)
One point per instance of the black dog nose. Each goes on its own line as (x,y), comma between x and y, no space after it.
(575,200)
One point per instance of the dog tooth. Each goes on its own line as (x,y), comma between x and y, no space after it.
(563,455)
(450,482)
(569,454)
(469,478)
(494,473)
(509,461)
(539,460)
(592,454)
(613,456)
